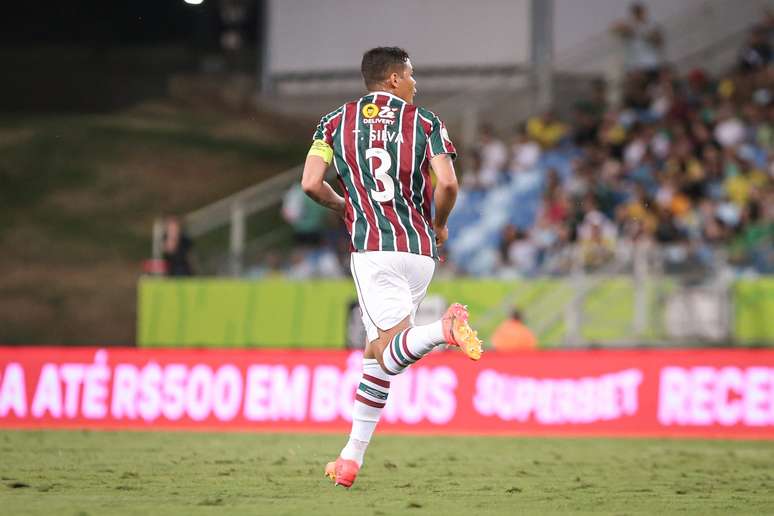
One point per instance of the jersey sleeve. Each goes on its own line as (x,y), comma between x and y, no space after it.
(438,141)
(327,126)
(321,149)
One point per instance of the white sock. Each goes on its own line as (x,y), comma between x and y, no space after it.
(370,398)
(410,345)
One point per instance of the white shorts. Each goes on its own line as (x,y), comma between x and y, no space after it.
(390,286)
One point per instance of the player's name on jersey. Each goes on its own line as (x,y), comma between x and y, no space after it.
(383,135)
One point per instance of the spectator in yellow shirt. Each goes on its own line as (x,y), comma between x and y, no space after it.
(546,129)
(740,186)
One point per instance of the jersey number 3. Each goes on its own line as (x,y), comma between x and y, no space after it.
(385,162)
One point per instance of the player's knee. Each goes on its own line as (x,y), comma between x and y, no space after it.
(380,361)
(386,371)
(377,348)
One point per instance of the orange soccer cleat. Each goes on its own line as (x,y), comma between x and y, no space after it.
(458,333)
(343,472)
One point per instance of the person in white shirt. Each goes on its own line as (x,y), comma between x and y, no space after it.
(729,131)
(643,40)
(494,156)
(525,152)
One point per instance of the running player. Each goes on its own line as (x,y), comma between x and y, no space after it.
(382,147)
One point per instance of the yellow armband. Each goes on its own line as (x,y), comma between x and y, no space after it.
(322,149)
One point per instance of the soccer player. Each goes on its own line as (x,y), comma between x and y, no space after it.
(382,146)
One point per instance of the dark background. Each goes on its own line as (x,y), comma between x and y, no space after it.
(98,55)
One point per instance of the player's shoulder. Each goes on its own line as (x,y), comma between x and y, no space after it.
(428,117)
(333,114)
(425,113)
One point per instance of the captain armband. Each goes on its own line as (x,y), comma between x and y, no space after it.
(322,149)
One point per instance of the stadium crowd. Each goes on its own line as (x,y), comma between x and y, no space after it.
(686,161)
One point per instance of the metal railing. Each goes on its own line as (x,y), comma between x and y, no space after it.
(691,304)
(233,210)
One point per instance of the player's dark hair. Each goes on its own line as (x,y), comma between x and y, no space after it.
(379,62)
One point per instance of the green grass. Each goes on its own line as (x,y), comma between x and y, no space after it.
(80,152)
(75,472)
(78,196)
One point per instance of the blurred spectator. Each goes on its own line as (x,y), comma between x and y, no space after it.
(177,246)
(643,41)
(518,252)
(612,133)
(588,113)
(471,165)
(665,95)
(634,152)
(687,163)
(730,130)
(301,266)
(306,217)
(509,235)
(596,104)
(741,184)
(493,155)
(546,129)
(585,126)
(635,214)
(756,53)
(753,248)
(267,268)
(327,263)
(556,207)
(597,238)
(525,152)
(513,335)
(667,231)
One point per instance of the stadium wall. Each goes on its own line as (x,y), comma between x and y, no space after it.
(681,393)
(314,314)
(298,32)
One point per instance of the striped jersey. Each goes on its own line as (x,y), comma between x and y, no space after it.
(382,147)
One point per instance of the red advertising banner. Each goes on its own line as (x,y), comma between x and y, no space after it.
(699,393)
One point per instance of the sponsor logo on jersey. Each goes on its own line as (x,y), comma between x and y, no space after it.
(382,121)
(370,110)
(385,113)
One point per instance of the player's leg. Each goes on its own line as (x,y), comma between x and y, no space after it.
(385,303)
(370,399)
(390,287)
(407,343)
(376,290)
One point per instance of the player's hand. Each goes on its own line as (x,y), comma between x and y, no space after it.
(441,235)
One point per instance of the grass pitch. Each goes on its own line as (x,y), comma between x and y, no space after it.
(82,472)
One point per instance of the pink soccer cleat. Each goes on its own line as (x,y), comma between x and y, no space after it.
(458,333)
(343,472)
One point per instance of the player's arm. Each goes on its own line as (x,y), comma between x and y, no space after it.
(445,194)
(313,179)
